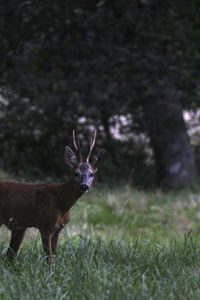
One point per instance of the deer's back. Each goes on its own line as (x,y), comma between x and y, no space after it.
(18,192)
(25,204)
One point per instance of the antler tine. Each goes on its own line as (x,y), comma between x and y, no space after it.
(74,140)
(77,147)
(92,143)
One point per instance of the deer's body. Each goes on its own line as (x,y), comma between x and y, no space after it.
(43,206)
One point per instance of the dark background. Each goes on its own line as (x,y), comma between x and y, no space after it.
(131,65)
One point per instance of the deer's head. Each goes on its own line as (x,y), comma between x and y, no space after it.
(83,170)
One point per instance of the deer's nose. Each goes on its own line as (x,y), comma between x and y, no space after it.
(84,187)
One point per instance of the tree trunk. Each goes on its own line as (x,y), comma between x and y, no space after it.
(172,151)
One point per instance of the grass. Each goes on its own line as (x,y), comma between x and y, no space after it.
(124,213)
(121,243)
(95,269)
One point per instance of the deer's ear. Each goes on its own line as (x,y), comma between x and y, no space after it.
(98,159)
(70,158)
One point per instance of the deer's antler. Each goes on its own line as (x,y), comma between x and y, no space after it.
(92,143)
(77,146)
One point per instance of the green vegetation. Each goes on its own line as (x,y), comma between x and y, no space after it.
(89,269)
(124,213)
(121,243)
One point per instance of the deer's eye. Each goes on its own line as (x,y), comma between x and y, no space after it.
(91,175)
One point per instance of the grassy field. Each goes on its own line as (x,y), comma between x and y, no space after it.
(121,243)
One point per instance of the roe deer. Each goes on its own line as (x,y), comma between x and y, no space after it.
(46,206)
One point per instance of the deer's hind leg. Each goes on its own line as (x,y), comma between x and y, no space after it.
(17,236)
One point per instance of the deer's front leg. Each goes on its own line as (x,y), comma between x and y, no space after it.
(46,242)
(17,236)
(55,236)
(54,240)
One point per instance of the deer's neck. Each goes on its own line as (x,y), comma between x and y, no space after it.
(70,193)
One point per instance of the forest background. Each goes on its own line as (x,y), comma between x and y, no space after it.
(130,69)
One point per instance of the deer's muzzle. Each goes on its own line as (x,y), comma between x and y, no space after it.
(84,188)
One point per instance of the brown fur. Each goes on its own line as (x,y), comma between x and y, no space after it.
(45,206)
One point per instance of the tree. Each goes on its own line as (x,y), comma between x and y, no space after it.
(173,155)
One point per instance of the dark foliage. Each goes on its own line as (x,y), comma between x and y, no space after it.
(76,64)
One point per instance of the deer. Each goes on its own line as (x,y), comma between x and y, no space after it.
(46,206)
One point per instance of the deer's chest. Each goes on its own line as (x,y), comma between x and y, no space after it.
(63,220)
(53,221)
